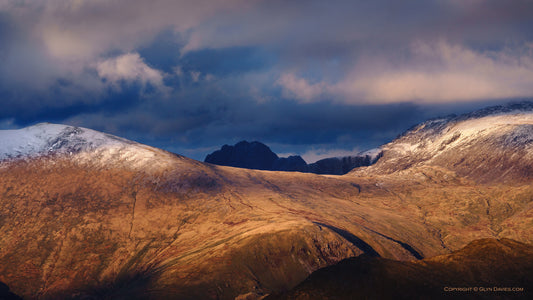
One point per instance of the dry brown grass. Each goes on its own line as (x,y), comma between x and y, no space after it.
(195,230)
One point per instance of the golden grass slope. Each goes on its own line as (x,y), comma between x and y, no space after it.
(187,230)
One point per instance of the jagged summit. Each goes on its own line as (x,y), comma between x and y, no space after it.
(256,155)
(253,155)
(344,164)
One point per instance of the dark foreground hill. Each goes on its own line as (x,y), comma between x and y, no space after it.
(484,269)
(6,294)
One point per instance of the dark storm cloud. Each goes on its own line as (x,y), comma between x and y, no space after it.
(190,75)
(195,128)
(37,107)
(222,62)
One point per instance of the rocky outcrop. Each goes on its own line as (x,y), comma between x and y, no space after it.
(254,155)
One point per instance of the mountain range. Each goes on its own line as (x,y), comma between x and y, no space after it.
(87,215)
(256,155)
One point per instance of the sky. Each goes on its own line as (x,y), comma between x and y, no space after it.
(314,78)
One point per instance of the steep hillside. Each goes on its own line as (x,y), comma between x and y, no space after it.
(183,229)
(484,269)
(120,219)
(489,145)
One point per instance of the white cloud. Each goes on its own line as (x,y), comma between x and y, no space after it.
(69,38)
(440,72)
(129,67)
(87,28)
(433,72)
(300,88)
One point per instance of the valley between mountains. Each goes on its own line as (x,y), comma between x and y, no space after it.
(86,215)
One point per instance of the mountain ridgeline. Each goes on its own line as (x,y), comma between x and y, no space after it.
(494,144)
(256,155)
(87,215)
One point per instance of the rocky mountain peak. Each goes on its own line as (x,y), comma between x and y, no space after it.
(244,154)
(256,155)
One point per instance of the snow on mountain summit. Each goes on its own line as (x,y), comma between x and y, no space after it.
(434,136)
(45,138)
(82,144)
(492,144)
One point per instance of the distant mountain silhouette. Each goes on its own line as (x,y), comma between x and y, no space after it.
(256,155)
(342,165)
(291,163)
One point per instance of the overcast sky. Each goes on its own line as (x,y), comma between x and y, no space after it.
(316,78)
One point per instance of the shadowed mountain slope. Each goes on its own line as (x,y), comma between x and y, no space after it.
(484,269)
(6,294)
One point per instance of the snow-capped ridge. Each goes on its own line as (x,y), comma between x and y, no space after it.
(504,109)
(436,125)
(81,144)
(47,138)
(491,144)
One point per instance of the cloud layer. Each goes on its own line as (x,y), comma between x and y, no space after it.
(432,73)
(199,73)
